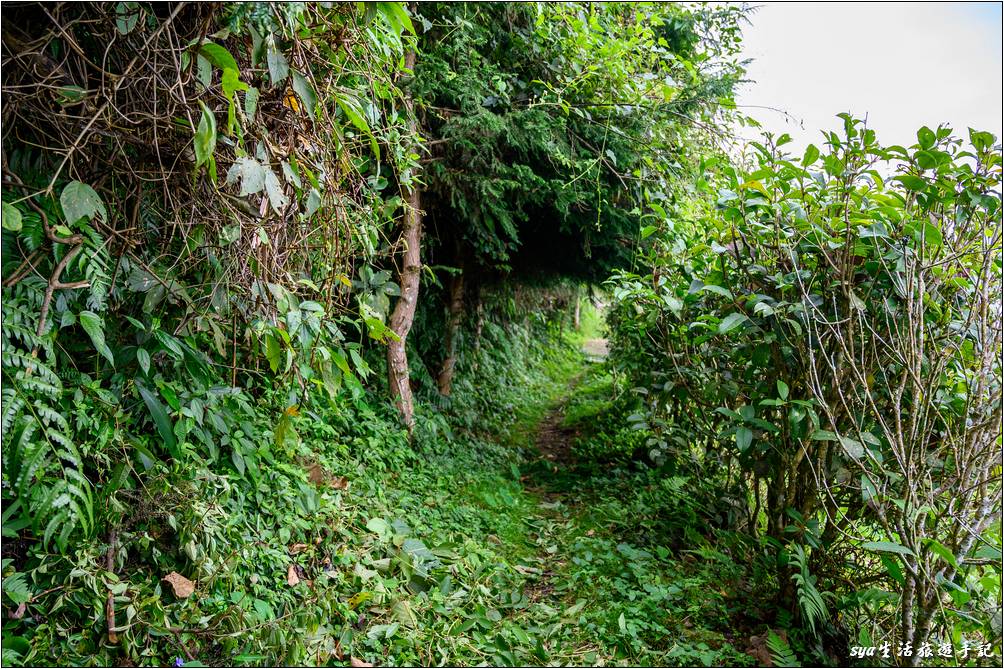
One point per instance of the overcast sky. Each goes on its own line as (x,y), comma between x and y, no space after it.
(903,64)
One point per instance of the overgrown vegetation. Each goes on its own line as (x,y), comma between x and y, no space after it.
(295,303)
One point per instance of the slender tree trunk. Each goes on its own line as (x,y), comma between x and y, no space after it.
(403,315)
(445,380)
(578,304)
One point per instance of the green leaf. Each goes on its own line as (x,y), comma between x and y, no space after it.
(305,92)
(143,358)
(231,83)
(402,611)
(273,352)
(95,328)
(926,137)
(205,136)
(11,217)
(250,173)
(251,104)
(744,437)
(911,182)
(731,322)
(886,547)
(81,201)
(313,202)
(273,187)
(218,56)
(647,231)
(892,568)
(811,155)
(718,290)
(354,114)
(379,526)
(278,68)
(160,419)
(782,389)
(127,16)
(941,551)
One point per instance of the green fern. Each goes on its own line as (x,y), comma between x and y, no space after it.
(810,600)
(41,462)
(94,262)
(780,652)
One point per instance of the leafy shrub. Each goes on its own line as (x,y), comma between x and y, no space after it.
(835,338)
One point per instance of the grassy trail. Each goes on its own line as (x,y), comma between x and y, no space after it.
(596,591)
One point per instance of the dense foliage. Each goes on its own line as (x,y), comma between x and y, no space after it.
(293,297)
(833,330)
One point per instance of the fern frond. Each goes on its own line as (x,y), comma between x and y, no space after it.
(780,652)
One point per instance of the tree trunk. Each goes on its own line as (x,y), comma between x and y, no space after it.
(445,380)
(408,278)
(578,304)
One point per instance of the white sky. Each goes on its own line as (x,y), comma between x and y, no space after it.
(905,64)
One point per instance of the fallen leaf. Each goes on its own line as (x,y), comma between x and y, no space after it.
(316,474)
(298,548)
(181,586)
(339,483)
(291,576)
(21,608)
(591,533)
(356,662)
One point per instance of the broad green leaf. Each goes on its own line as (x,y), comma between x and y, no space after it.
(160,418)
(811,155)
(81,201)
(251,104)
(305,92)
(892,568)
(95,329)
(852,447)
(886,547)
(402,611)
(718,290)
(143,358)
(205,136)
(354,114)
(278,68)
(250,173)
(926,137)
(744,437)
(11,217)
(273,352)
(942,551)
(731,322)
(127,15)
(911,182)
(273,187)
(782,389)
(313,202)
(231,83)
(378,526)
(218,56)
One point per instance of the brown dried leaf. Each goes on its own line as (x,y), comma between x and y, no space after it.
(339,483)
(291,576)
(298,548)
(356,662)
(19,613)
(181,586)
(316,474)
